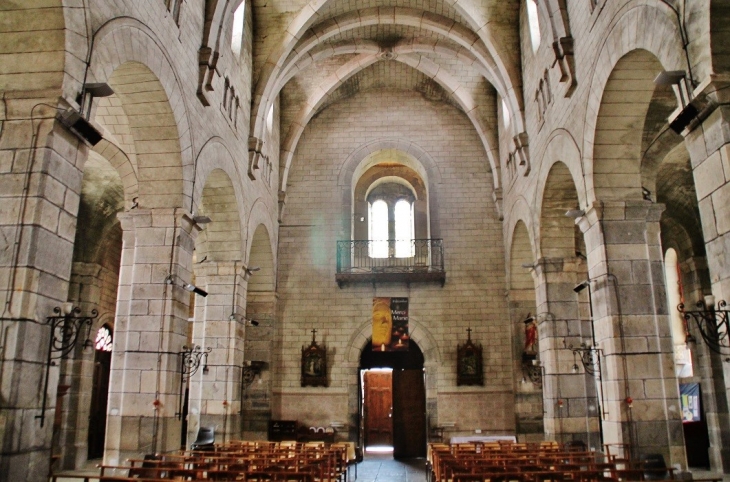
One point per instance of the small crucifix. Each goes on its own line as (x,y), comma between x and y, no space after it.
(313,333)
(468,333)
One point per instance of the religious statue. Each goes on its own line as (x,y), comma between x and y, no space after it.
(530,335)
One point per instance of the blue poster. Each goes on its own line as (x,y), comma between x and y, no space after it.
(689,395)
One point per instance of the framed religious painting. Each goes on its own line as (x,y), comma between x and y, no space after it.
(469,367)
(314,364)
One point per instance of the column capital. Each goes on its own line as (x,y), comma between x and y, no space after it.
(633,210)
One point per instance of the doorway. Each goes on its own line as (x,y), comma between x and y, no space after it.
(393,402)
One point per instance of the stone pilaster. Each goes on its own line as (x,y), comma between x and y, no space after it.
(633,328)
(215,397)
(40,180)
(150,330)
(571,396)
(708,143)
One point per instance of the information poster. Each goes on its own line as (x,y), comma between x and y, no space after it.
(689,395)
(390,324)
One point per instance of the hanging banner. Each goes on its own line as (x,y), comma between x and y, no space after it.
(390,324)
(689,396)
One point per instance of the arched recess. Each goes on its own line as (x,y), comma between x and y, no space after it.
(94,283)
(559,235)
(221,238)
(617,149)
(522,306)
(129,57)
(402,152)
(261,306)
(626,34)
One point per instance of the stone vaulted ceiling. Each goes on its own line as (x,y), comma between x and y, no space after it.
(460,52)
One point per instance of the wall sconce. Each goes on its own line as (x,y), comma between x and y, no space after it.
(190,360)
(712,323)
(66,326)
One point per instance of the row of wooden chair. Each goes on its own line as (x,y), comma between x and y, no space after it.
(237,461)
(536,463)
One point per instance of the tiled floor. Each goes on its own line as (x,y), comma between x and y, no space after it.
(382,468)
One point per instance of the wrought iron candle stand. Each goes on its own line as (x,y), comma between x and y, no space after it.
(66,325)
(190,360)
(712,323)
(589,356)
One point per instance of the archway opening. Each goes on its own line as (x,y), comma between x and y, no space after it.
(100,391)
(393,402)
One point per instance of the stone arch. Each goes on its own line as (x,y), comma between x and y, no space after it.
(558,232)
(221,239)
(417,331)
(521,252)
(629,33)
(128,55)
(408,154)
(123,165)
(261,256)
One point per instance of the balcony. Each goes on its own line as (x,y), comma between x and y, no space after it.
(368,261)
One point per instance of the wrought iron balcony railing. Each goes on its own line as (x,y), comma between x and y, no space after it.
(392,260)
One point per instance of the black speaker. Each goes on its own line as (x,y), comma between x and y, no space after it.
(684,118)
(80,126)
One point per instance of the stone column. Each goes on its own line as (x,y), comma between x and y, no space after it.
(40,180)
(708,143)
(633,328)
(215,397)
(259,344)
(571,396)
(151,328)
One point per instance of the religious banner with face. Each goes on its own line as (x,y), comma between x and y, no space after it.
(390,324)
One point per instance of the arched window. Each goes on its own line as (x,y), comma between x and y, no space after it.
(379,229)
(103,340)
(533,19)
(403,215)
(237,36)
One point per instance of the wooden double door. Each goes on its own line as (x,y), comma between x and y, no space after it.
(394,411)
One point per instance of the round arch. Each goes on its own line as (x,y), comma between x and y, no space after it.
(628,33)
(127,54)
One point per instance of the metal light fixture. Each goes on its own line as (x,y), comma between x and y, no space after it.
(590,358)
(575,213)
(190,360)
(194,289)
(66,326)
(711,322)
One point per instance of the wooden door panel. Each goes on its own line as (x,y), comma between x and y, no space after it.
(409,414)
(378,408)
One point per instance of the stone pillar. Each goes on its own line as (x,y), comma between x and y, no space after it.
(215,397)
(151,328)
(708,144)
(571,396)
(260,306)
(633,328)
(40,181)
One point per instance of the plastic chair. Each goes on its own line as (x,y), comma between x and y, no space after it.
(205,439)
